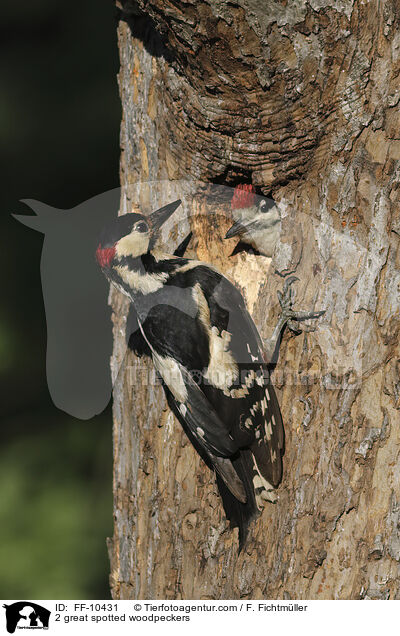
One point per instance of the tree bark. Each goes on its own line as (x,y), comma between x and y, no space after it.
(302,100)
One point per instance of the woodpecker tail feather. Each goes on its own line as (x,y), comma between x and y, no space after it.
(240,514)
(224,469)
(222,465)
(268,447)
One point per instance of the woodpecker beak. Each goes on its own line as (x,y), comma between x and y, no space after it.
(237,228)
(158,218)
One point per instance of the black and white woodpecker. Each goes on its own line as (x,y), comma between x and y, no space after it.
(194,324)
(257,221)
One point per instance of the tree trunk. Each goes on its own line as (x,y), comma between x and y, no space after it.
(302,100)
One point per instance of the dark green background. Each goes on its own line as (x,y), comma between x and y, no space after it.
(59,123)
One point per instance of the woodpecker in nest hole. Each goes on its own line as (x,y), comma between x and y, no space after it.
(193,323)
(256,221)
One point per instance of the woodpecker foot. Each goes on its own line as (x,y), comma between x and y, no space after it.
(292,318)
(288,318)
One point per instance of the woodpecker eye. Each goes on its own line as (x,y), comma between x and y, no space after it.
(141,227)
(263,206)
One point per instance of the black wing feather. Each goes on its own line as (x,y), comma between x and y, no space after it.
(246,344)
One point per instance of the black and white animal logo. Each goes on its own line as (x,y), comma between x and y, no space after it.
(26,615)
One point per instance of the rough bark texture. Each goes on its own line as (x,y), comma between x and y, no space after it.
(301,99)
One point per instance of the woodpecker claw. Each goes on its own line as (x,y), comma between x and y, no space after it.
(288,282)
(288,318)
(292,318)
(293,326)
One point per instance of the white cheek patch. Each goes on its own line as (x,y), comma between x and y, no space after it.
(134,244)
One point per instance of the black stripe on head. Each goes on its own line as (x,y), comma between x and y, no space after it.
(121,226)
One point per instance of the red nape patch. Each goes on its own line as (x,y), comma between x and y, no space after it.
(105,255)
(244,196)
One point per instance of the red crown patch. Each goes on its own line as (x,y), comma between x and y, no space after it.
(244,196)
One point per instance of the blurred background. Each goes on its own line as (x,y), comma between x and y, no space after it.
(59,136)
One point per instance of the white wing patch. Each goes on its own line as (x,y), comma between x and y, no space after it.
(243,390)
(222,370)
(268,430)
(255,408)
(249,379)
(263,406)
(170,372)
(183,409)
(237,393)
(264,491)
